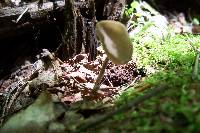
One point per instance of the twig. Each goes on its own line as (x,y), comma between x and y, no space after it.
(20,16)
(131,105)
(109,83)
(129,22)
(133,82)
(78,83)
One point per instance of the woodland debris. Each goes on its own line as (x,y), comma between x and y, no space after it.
(90,123)
(34,10)
(39,78)
(72,81)
(12,25)
(40,114)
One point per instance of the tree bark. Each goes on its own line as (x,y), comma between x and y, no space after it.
(80,22)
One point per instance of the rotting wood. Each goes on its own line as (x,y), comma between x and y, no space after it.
(79,33)
(80,27)
(67,48)
(33,16)
(34,11)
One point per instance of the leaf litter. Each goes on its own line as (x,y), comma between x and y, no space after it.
(70,82)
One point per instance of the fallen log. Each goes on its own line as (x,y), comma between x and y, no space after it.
(11,23)
(67,30)
(34,10)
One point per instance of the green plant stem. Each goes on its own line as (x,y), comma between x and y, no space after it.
(100,76)
(196,66)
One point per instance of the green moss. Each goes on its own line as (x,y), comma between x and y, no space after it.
(177,109)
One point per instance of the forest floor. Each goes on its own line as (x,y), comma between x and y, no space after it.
(170,58)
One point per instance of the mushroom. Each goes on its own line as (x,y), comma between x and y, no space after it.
(115,40)
(116,43)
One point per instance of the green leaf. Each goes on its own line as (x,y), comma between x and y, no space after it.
(134,4)
(195,21)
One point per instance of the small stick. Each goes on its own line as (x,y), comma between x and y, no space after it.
(20,16)
(133,82)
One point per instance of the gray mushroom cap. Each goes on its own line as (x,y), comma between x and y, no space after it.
(115,40)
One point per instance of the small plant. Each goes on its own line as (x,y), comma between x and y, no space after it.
(139,13)
(116,44)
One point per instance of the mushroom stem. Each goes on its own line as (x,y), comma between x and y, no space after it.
(100,76)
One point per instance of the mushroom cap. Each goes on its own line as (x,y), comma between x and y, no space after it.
(115,40)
